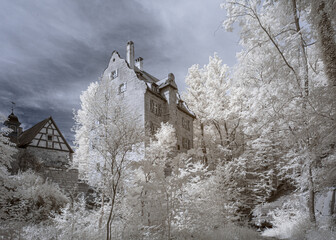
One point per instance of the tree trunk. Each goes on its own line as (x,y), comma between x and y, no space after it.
(205,158)
(311,200)
(109,221)
(217,126)
(102,213)
(326,34)
(303,52)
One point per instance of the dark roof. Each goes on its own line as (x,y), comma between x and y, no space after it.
(12,119)
(169,81)
(27,136)
(185,110)
(156,94)
(168,84)
(145,76)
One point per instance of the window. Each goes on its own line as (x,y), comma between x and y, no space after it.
(155,88)
(186,144)
(113,74)
(122,88)
(159,110)
(186,123)
(152,106)
(153,128)
(49,138)
(155,108)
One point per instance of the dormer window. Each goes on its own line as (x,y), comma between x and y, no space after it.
(114,74)
(155,88)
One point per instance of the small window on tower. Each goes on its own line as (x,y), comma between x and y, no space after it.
(114,74)
(122,88)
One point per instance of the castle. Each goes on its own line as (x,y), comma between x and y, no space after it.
(44,149)
(155,100)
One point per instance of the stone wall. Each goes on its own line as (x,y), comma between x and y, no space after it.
(50,164)
(67,179)
(49,157)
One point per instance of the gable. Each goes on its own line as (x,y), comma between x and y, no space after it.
(45,134)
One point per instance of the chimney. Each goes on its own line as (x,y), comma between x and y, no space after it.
(130,54)
(139,63)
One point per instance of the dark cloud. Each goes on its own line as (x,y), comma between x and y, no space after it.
(51,50)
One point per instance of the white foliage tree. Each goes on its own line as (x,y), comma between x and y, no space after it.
(282,82)
(217,123)
(163,177)
(157,191)
(7,152)
(107,136)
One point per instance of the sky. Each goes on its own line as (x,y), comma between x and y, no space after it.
(50,51)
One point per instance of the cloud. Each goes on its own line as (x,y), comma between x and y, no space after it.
(51,50)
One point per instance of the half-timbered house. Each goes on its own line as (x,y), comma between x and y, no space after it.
(44,149)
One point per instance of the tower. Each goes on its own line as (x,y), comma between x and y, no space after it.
(13,123)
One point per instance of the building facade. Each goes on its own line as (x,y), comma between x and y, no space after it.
(154,100)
